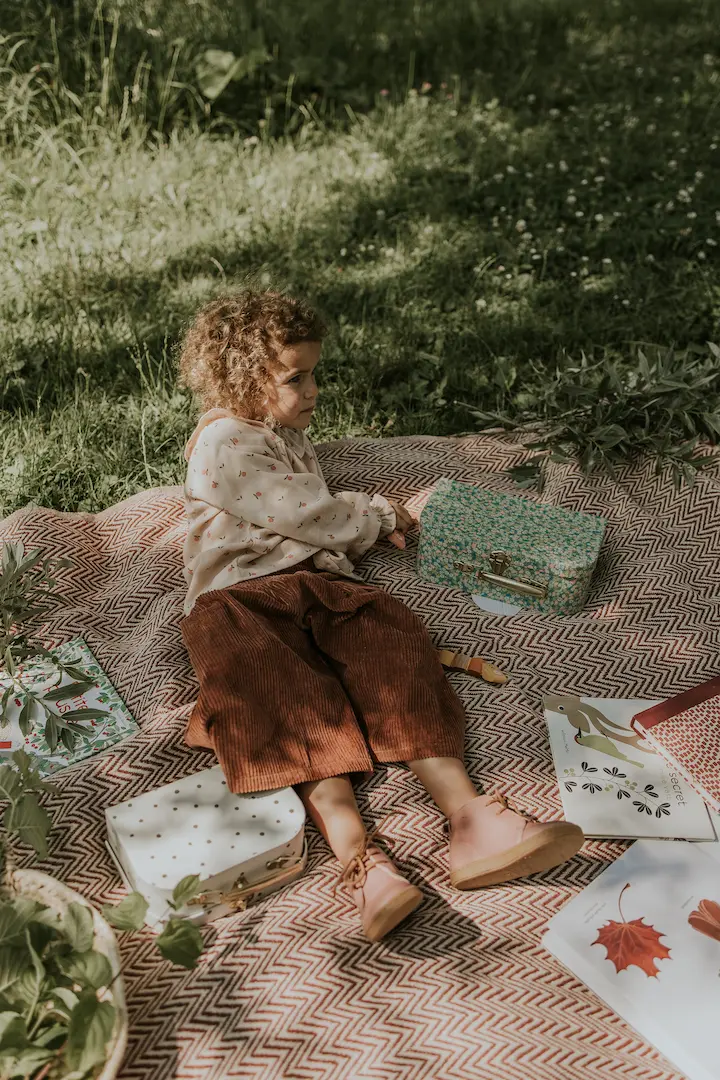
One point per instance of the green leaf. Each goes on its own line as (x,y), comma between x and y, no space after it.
(24,990)
(91,1025)
(4,703)
(27,767)
(63,999)
(13,920)
(527,474)
(78,927)
(74,715)
(30,910)
(10,783)
(68,739)
(76,689)
(185,889)
(129,914)
(31,559)
(39,970)
(25,717)
(13,963)
(75,672)
(216,68)
(30,821)
(41,934)
(52,732)
(611,435)
(13,1032)
(89,969)
(26,1062)
(48,1035)
(180,943)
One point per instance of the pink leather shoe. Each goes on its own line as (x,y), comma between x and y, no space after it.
(490,842)
(383,896)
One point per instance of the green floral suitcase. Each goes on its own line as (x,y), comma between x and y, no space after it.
(508,547)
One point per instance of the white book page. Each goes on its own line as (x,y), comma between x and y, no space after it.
(612,783)
(673,999)
(713,850)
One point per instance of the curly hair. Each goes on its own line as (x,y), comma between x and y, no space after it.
(232,348)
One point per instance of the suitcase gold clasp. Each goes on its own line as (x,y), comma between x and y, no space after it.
(499,561)
(240,892)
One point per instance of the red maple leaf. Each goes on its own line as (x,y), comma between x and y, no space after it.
(706,919)
(633,942)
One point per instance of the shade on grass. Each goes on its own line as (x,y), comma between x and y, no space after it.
(456,239)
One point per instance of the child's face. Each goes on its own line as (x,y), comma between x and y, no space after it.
(292,392)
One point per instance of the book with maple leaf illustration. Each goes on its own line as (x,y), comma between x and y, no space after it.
(645,937)
(100,732)
(613,783)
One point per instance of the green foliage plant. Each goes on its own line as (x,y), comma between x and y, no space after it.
(56,1009)
(28,587)
(603,413)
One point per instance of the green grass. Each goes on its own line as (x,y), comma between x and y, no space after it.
(559,195)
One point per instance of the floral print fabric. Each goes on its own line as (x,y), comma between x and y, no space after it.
(256,502)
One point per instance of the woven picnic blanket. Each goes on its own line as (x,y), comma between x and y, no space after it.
(463,988)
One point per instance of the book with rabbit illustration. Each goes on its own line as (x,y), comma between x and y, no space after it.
(645,937)
(99,733)
(613,783)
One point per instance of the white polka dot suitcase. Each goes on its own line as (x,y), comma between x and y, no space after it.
(242,846)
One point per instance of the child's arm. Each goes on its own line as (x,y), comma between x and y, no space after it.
(404,522)
(242,476)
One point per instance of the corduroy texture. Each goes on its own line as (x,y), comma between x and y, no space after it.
(303,675)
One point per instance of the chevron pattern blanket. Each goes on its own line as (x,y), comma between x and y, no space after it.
(290,988)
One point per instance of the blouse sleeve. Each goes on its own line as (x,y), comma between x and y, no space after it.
(243,477)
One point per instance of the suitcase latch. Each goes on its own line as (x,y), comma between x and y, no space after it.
(499,561)
(240,892)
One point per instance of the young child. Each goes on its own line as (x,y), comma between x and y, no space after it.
(307,675)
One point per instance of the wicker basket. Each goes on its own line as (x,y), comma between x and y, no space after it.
(47,890)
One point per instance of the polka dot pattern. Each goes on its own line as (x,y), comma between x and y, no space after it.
(154,836)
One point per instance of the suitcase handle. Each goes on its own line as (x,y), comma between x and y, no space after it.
(499,562)
(241,891)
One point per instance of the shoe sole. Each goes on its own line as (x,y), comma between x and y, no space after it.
(397,909)
(540,852)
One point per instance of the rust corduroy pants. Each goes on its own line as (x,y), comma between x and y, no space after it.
(304,676)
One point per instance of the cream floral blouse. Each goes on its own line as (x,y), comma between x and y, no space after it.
(256,502)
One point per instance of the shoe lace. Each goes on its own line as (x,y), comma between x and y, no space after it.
(355,872)
(498,797)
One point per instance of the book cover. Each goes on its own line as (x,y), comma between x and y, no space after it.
(645,937)
(686,731)
(99,734)
(613,784)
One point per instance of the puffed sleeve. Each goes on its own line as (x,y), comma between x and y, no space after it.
(243,476)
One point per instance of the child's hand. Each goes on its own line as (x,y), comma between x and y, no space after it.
(404,522)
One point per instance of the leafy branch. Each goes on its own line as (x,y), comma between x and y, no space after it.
(56,1011)
(55,1019)
(663,403)
(28,589)
(180,941)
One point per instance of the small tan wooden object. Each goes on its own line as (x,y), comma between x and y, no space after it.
(473,665)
